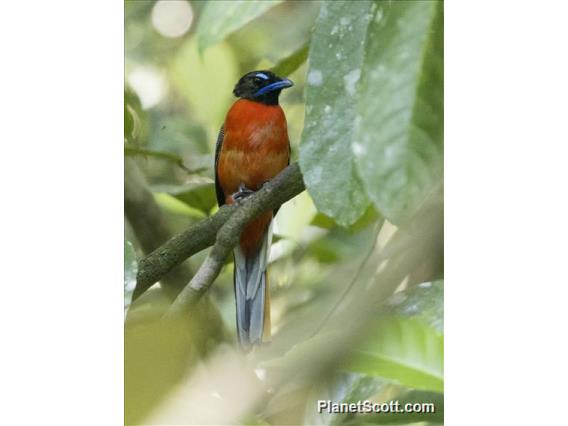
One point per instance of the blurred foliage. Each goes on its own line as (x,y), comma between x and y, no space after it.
(365,120)
(404,350)
(291,63)
(130,270)
(425,301)
(135,124)
(220,19)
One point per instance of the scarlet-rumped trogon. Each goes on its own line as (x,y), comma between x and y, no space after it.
(252,148)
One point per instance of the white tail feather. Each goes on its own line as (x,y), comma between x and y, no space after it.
(250,291)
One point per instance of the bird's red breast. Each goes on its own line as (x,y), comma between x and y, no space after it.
(255,149)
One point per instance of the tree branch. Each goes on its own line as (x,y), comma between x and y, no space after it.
(197,237)
(149,223)
(203,234)
(151,229)
(282,188)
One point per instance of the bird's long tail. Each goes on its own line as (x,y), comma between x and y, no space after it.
(252,292)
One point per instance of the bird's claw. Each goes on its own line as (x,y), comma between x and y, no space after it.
(242,193)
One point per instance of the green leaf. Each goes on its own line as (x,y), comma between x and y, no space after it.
(291,63)
(337,52)
(377,108)
(424,301)
(200,195)
(323,221)
(221,18)
(369,217)
(398,140)
(135,127)
(130,271)
(174,206)
(404,351)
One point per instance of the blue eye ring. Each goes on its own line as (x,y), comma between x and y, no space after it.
(261,75)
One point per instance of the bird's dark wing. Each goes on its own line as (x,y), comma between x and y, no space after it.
(218,189)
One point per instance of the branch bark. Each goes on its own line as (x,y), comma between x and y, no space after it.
(282,188)
(177,249)
(149,225)
(151,229)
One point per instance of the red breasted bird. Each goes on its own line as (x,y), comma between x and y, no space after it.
(252,148)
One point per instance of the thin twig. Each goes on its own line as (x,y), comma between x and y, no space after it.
(169,156)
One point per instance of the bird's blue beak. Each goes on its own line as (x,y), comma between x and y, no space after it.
(278,85)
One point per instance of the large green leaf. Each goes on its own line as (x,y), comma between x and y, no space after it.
(405,351)
(398,142)
(337,52)
(130,271)
(221,18)
(374,103)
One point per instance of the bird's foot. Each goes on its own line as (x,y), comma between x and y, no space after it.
(242,193)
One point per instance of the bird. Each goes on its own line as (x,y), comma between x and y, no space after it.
(252,148)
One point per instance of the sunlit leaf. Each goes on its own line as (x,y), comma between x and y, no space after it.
(323,221)
(130,271)
(199,195)
(221,18)
(398,140)
(135,125)
(336,55)
(405,351)
(289,223)
(174,206)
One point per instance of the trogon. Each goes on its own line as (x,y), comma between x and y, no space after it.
(252,148)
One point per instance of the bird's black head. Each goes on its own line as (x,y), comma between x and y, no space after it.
(261,86)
